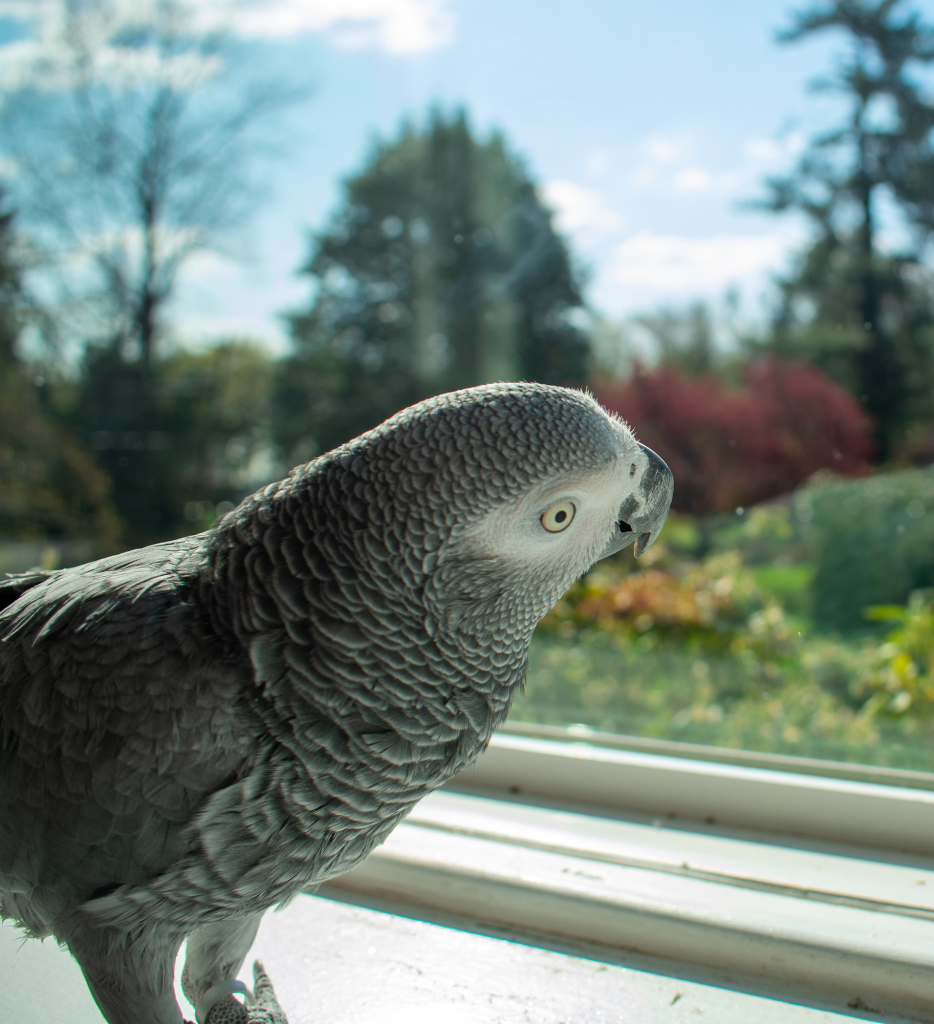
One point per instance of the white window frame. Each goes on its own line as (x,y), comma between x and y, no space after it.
(817,888)
(845,803)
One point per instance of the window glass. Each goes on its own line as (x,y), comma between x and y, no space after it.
(234,235)
(804,627)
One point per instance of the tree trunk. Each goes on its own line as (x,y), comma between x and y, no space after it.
(877,366)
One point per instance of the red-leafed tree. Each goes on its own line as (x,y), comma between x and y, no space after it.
(730,448)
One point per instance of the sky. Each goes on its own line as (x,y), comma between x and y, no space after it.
(648,124)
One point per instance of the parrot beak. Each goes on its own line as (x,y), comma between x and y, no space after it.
(658,488)
(642,515)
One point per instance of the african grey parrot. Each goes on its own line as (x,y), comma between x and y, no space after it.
(195,731)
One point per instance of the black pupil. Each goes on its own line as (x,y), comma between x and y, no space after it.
(560,516)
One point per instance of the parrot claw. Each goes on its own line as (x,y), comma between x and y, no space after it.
(264,1009)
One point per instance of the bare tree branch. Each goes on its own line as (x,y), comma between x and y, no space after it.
(137,137)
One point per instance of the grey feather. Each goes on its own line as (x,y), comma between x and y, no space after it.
(196,731)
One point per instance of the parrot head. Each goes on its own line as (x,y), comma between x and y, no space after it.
(503,495)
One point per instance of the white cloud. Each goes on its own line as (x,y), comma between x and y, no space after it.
(661,152)
(20,10)
(9,168)
(396,26)
(770,151)
(50,59)
(667,165)
(650,268)
(700,181)
(580,211)
(598,163)
(664,149)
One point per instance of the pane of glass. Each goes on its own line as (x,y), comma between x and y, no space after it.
(615,201)
(806,628)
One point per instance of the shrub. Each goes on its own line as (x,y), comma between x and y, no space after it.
(712,605)
(900,676)
(738,448)
(873,542)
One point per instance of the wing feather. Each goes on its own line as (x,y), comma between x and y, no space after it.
(118,717)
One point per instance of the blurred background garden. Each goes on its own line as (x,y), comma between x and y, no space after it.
(789,604)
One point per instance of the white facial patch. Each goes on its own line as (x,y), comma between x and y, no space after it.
(566,521)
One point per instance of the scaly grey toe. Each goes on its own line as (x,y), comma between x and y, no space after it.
(265,1009)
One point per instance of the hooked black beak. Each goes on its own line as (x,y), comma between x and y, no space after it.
(642,515)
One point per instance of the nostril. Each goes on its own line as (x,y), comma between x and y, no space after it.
(624,527)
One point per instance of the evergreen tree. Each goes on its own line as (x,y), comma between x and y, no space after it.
(115,409)
(217,403)
(440,270)
(861,314)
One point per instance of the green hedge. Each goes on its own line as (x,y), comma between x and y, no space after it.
(873,540)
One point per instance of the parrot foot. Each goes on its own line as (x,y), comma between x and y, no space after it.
(262,1008)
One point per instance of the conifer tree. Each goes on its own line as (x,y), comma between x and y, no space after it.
(440,270)
(863,314)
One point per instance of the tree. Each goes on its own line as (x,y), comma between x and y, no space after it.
(50,486)
(204,440)
(135,141)
(683,337)
(737,448)
(218,403)
(859,312)
(135,134)
(439,270)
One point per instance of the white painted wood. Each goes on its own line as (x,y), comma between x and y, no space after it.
(842,810)
(857,879)
(613,884)
(337,964)
(830,920)
(723,755)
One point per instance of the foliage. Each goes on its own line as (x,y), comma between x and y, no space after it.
(738,448)
(866,317)
(219,403)
(50,487)
(723,650)
(135,134)
(696,652)
(701,605)
(683,338)
(713,606)
(617,684)
(440,270)
(177,437)
(700,652)
(873,543)
(901,676)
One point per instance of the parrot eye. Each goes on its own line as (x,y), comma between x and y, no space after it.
(558,517)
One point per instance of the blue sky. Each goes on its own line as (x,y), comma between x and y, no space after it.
(647,122)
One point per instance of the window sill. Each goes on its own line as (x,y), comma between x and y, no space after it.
(563,903)
(892,815)
(815,910)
